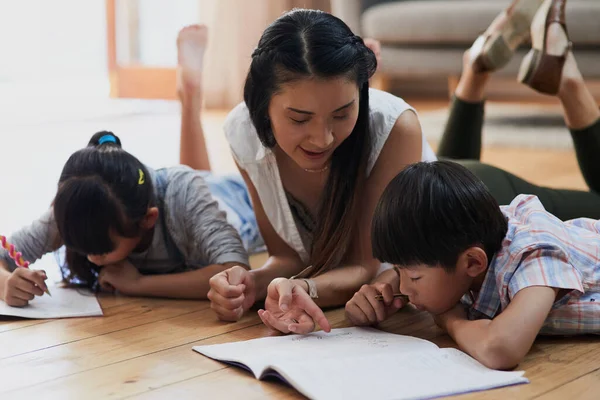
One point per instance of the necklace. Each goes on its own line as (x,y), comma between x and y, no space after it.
(315,171)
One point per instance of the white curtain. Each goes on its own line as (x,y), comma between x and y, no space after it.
(235,26)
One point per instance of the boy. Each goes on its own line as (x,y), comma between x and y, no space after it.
(517,269)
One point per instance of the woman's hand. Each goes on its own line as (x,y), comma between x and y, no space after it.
(232,293)
(289,308)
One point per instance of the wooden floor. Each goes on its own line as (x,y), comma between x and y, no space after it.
(141,348)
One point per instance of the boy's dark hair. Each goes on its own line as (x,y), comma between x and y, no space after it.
(102,189)
(306,44)
(431,212)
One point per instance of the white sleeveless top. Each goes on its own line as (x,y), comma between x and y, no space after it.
(260,163)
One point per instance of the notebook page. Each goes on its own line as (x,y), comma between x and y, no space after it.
(393,375)
(258,354)
(64,303)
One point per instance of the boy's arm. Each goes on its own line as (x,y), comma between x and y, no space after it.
(503,342)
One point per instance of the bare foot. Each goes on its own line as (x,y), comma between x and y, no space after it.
(191,44)
(375,46)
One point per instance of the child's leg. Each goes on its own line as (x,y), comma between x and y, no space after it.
(491,51)
(462,134)
(582,116)
(191,43)
(564,204)
(232,195)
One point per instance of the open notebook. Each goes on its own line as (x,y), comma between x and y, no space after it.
(362,363)
(64,303)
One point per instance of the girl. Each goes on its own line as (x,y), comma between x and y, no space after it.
(127,228)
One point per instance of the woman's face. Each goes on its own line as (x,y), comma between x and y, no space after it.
(311,117)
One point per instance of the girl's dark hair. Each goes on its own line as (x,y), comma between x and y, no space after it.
(431,212)
(102,189)
(304,44)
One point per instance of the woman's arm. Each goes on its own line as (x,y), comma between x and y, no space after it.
(402,148)
(234,291)
(283,261)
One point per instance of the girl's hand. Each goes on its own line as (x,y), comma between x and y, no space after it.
(364,309)
(290,309)
(23,285)
(123,277)
(232,293)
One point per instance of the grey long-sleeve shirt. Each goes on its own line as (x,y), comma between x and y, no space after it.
(193,220)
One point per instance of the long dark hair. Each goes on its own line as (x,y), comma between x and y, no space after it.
(102,188)
(308,43)
(431,212)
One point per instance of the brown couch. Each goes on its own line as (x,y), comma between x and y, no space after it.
(427,38)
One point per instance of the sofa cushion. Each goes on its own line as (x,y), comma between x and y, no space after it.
(459,22)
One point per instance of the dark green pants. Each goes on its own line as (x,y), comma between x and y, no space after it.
(462,143)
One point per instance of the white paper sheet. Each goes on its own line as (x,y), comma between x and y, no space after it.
(64,303)
(359,363)
(257,354)
(387,376)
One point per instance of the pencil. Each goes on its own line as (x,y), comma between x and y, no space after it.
(16,256)
(396,296)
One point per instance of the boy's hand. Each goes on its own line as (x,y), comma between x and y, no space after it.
(364,309)
(232,293)
(123,277)
(23,285)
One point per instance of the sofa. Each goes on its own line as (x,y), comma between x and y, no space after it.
(427,38)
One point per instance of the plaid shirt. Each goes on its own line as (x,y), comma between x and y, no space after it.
(541,250)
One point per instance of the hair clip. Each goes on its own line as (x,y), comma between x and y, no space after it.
(107,139)
(142,178)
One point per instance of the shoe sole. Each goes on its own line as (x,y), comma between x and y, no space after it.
(530,72)
(500,47)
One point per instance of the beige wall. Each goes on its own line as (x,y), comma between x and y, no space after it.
(235,27)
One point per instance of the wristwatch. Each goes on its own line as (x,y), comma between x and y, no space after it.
(312,288)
